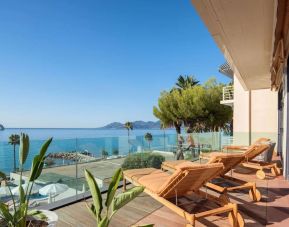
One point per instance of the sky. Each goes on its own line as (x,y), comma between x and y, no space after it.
(79,64)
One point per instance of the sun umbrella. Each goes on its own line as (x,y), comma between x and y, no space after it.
(53,189)
(35,189)
(4,191)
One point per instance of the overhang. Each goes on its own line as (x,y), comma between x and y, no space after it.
(244,31)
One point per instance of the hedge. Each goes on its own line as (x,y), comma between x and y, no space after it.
(143,160)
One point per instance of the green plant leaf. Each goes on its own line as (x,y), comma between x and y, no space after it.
(113,187)
(23,148)
(92,210)
(38,161)
(21,213)
(34,167)
(2,175)
(104,222)
(45,147)
(95,192)
(4,211)
(39,170)
(21,194)
(123,198)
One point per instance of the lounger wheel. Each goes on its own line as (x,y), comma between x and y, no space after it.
(261,174)
(275,171)
(240,220)
(257,196)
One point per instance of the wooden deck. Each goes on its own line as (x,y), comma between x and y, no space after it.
(77,214)
(272,210)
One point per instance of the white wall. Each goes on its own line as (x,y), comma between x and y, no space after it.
(240,114)
(264,114)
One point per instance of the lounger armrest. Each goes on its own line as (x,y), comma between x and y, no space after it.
(232,147)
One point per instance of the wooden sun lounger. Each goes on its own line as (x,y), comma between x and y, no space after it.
(229,161)
(260,165)
(244,147)
(186,181)
(250,154)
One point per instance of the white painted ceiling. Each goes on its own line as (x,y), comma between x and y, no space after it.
(244,31)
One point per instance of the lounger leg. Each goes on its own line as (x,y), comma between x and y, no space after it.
(235,218)
(254,193)
(192,222)
(275,170)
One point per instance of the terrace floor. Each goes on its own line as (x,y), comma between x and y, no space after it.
(272,210)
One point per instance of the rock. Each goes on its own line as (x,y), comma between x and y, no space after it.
(1,127)
(73,156)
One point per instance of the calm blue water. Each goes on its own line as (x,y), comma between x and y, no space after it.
(94,141)
(91,140)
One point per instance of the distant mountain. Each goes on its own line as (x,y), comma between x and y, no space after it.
(136,125)
(1,127)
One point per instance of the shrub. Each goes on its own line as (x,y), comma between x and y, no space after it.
(143,160)
(155,160)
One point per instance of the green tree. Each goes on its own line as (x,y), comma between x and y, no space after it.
(104,153)
(167,110)
(149,138)
(115,152)
(129,126)
(218,116)
(14,140)
(185,82)
(191,107)
(197,107)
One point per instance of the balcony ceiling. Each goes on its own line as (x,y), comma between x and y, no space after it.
(244,31)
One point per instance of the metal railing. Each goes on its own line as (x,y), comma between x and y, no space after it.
(228,93)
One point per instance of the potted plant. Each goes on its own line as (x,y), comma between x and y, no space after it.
(19,214)
(113,202)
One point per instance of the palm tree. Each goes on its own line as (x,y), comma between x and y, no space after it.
(185,82)
(149,138)
(14,140)
(129,126)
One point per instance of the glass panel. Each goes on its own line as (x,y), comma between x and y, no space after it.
(69,157)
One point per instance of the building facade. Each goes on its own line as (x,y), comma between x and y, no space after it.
(253,36)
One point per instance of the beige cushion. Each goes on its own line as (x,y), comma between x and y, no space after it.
(173,164)
(135,174)
(154,182)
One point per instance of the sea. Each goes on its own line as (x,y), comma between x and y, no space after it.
(93,141)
